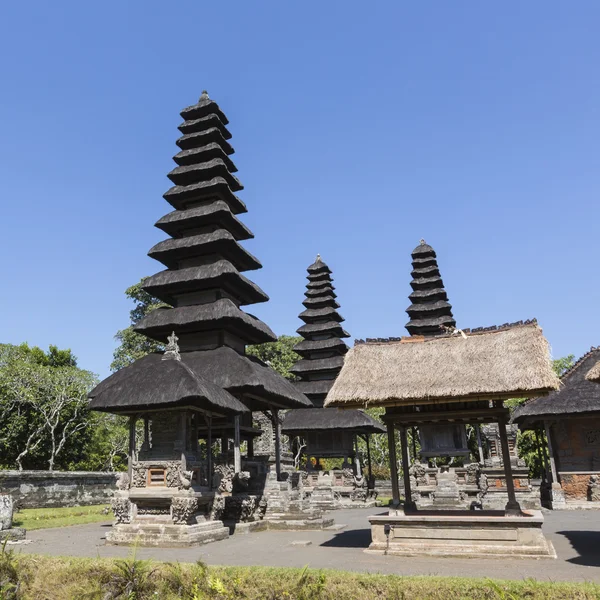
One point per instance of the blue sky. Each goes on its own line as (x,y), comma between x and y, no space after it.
(359,128)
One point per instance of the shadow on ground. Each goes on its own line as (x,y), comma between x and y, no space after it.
(586,544)
(355,538)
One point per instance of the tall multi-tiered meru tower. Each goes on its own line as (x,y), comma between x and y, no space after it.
(209,387)
(327,432)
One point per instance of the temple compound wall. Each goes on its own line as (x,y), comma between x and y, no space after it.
(576,445)
(45,489)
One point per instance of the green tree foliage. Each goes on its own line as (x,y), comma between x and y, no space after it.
(279,355)
(132,345)
(44,414)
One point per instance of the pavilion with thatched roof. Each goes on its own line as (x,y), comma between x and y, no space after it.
(569,419)
(457,377)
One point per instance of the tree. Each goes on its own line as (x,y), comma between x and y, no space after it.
(279,355)
(44,414)
(132,345)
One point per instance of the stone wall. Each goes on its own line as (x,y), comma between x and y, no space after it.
(40,489)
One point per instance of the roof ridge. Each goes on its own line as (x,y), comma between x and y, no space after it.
(468,331)
(579,362)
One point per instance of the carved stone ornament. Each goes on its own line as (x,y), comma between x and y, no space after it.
(419,473)
(472,473)
(6,511)
(123,482)
(594,488)
(241,481)
(223,479)
(185,479)
(172,474)
(121,508)
(139,475)
(217,508)
(483,483)
(183,509)
(240,508)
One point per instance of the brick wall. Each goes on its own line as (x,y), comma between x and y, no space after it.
(577,444)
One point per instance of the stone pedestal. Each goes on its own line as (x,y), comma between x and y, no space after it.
(335,489)
(460,534)
(493,492)
(7,531)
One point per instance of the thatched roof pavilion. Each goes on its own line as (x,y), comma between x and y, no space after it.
(594,373)
(430,310)
(578,395)
(488,364)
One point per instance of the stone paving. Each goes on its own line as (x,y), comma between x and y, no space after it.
(575,535)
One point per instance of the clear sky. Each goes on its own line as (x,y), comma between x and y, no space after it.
(359,128)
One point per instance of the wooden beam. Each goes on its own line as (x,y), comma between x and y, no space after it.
(554,473)
(277,432)
(408,502)
(490,415)
(237,458)
(393,463)
(512,504)
(479,445)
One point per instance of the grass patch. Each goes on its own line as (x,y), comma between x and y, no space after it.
(30,577)
(44,518)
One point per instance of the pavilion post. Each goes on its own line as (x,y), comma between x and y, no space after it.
(356,457)
(408,503)
(237,459)
(551,453)
(250,443)
(131,452)
(277,432)
(146,443)
(512,504)
(393,464)
(183,438)
(479,445)
(414,443)
(208,419)
(367,439)
(541,455)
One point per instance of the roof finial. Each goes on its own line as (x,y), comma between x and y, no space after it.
(204,95)
(422,242)
(172,348)
(318,259)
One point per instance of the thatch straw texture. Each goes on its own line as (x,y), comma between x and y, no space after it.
(594,373)
(511,362)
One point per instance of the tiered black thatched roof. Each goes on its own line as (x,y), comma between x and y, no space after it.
(430,310)
(203,280)
(322,349)
(203,283)
(577,395)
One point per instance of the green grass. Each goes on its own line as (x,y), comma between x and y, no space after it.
(44,518)
(56,578)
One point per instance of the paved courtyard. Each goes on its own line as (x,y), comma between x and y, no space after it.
(575,535)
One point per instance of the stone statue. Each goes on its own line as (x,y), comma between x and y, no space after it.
(6,511)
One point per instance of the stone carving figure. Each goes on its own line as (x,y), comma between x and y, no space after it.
(594,488)
(6,511)
(121,508)
(223,479)
(123,482)
(183,509)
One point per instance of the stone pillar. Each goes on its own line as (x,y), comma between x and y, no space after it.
(356,457)
(393,464)
(512,506)
(408,503)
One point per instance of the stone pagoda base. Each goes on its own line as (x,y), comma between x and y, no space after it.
(460,534)
(336,489)
(166,534)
